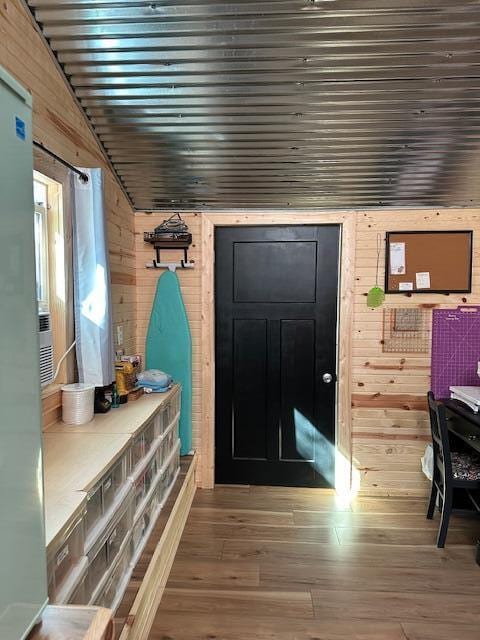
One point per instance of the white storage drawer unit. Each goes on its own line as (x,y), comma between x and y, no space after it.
(92,562)
(63,559)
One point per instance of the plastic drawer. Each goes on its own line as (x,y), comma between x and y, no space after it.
(176,402)
(79,595)
(171,439)
(168,443)
(116,582)
(103,495)
(94,508)
(163,420)
(149,436)
(97,567)
(158,422)
(138,532)
(139,490)
(150,474)
(117,579)
(173,466)
(113,482)
(141,526)
(168,475)
(63,559)
(137,451)
(118,534)
(171,412)
(71,583)
(160,455)
(104,552)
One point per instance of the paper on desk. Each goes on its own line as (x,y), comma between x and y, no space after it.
(397,258)
(423,279)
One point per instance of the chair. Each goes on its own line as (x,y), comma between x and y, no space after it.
(451,470)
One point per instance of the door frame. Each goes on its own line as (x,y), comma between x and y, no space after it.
(343,430)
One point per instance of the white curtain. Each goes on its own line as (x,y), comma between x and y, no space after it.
(91,271)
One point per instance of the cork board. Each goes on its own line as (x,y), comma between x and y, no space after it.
(428,262)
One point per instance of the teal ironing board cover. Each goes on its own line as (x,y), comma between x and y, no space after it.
(169,346)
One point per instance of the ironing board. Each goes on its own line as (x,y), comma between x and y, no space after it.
(169,346)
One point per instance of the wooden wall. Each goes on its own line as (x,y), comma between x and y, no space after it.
(389,422)
(61,126)
(390,427)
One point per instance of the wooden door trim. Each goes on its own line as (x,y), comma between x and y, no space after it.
(347,221)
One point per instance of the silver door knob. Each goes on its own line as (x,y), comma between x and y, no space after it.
(327,377)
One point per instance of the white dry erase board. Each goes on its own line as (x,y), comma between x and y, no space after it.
(428,262)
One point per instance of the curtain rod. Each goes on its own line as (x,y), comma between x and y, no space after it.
(82,176)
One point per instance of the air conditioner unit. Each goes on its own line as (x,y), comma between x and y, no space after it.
(46,348)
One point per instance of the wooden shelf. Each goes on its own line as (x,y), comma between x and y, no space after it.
(74,623)
(76,457)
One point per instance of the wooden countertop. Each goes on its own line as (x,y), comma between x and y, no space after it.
(73,463)
(76,457)
(74,623)
(126,419)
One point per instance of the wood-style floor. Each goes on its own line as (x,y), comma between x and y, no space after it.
(262,563)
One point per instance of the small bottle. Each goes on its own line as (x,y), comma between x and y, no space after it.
(115,397)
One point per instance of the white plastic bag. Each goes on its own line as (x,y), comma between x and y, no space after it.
(427,461)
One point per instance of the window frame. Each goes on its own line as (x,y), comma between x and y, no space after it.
(42,267)
(57,180)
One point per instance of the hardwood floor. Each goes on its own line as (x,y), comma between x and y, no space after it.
(263,563)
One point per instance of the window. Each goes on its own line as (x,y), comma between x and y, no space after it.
(52,265)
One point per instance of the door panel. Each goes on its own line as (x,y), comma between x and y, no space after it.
(276,315)
(298,281)
(249,389)
(297,393)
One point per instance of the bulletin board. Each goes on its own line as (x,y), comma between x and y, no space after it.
(428,262)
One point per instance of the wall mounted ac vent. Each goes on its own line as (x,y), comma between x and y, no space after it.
(46,349)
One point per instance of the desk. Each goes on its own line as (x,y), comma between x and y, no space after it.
(463,423)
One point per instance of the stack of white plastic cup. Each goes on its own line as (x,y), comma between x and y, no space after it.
(77,403)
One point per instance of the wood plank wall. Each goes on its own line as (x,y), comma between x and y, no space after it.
(390,427)
(389,424)
(61,126)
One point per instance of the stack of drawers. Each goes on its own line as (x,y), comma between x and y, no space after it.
(92,562)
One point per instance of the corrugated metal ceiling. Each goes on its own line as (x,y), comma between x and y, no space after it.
(286,103)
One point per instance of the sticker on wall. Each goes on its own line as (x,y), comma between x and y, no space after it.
(20,129)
